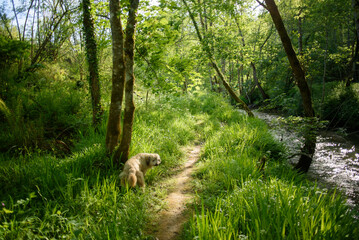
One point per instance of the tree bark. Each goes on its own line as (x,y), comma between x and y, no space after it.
(215,66)
(292,57)
(27,16)
(300,35)
(310,141)
(118,77)
(123,150)
(92,60)
(17,20)
(355,68)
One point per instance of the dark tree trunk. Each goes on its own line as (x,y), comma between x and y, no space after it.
(256,81)
(306,157)
(118,78)
(300,36)
(124,148)
(292,57)
(355,68)
(92,60)
(310,141)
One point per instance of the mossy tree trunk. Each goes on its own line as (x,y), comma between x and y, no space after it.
(122,80)
(123,150)
(118,77)
(92,60)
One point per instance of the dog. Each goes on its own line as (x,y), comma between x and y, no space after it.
(136,167)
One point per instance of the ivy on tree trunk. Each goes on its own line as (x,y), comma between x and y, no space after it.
(92,59)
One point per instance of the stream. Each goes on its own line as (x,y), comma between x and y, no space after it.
(336,159)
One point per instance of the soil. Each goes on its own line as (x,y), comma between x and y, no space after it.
(171,219)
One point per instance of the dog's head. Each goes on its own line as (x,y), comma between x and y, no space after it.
(153,160)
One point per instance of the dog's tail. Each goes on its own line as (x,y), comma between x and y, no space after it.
(132,179)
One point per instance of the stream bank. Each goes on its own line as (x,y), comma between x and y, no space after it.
(336,159)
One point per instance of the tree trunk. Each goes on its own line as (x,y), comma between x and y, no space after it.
(264,95)
(324,74)
(310,141)
(355,68)
(92,60)
(17,20)
(118,77)
(292,57)
(300,35)
(123,150)
(230,90)
(214,64)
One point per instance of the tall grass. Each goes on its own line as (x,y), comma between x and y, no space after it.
(79,197)
(236,200)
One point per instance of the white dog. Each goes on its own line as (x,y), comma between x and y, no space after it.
(136,167)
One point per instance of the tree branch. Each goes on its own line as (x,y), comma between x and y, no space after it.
(262,4)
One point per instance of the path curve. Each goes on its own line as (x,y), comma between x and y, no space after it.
(172,219)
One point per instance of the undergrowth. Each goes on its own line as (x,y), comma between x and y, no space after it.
(43,195)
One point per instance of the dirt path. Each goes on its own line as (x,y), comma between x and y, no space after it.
(171,219)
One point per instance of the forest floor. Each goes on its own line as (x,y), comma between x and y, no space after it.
(170,220)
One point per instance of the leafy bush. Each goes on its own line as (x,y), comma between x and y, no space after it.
(11,50)
(341,108)
(42,108)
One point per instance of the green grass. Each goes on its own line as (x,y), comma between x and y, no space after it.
(237,201)
(44,196)
(79,197)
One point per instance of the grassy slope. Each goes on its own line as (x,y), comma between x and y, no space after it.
(237,201)
(79,196)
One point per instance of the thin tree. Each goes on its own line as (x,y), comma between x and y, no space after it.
(256,81)
(16,18)
(123,150)
(214,64)
(292,57)
(118,77)
(92,60)
(309,143)
(123,61)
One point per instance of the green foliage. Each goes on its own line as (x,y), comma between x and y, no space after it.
(45,106)
(12,51)
(79,196)
(341,107)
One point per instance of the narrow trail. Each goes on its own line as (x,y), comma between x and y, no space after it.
(172,219)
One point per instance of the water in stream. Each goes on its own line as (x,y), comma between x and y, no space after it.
(335,162)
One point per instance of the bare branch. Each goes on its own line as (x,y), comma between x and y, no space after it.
(262,4)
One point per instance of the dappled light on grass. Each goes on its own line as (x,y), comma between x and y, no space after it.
(79,196)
